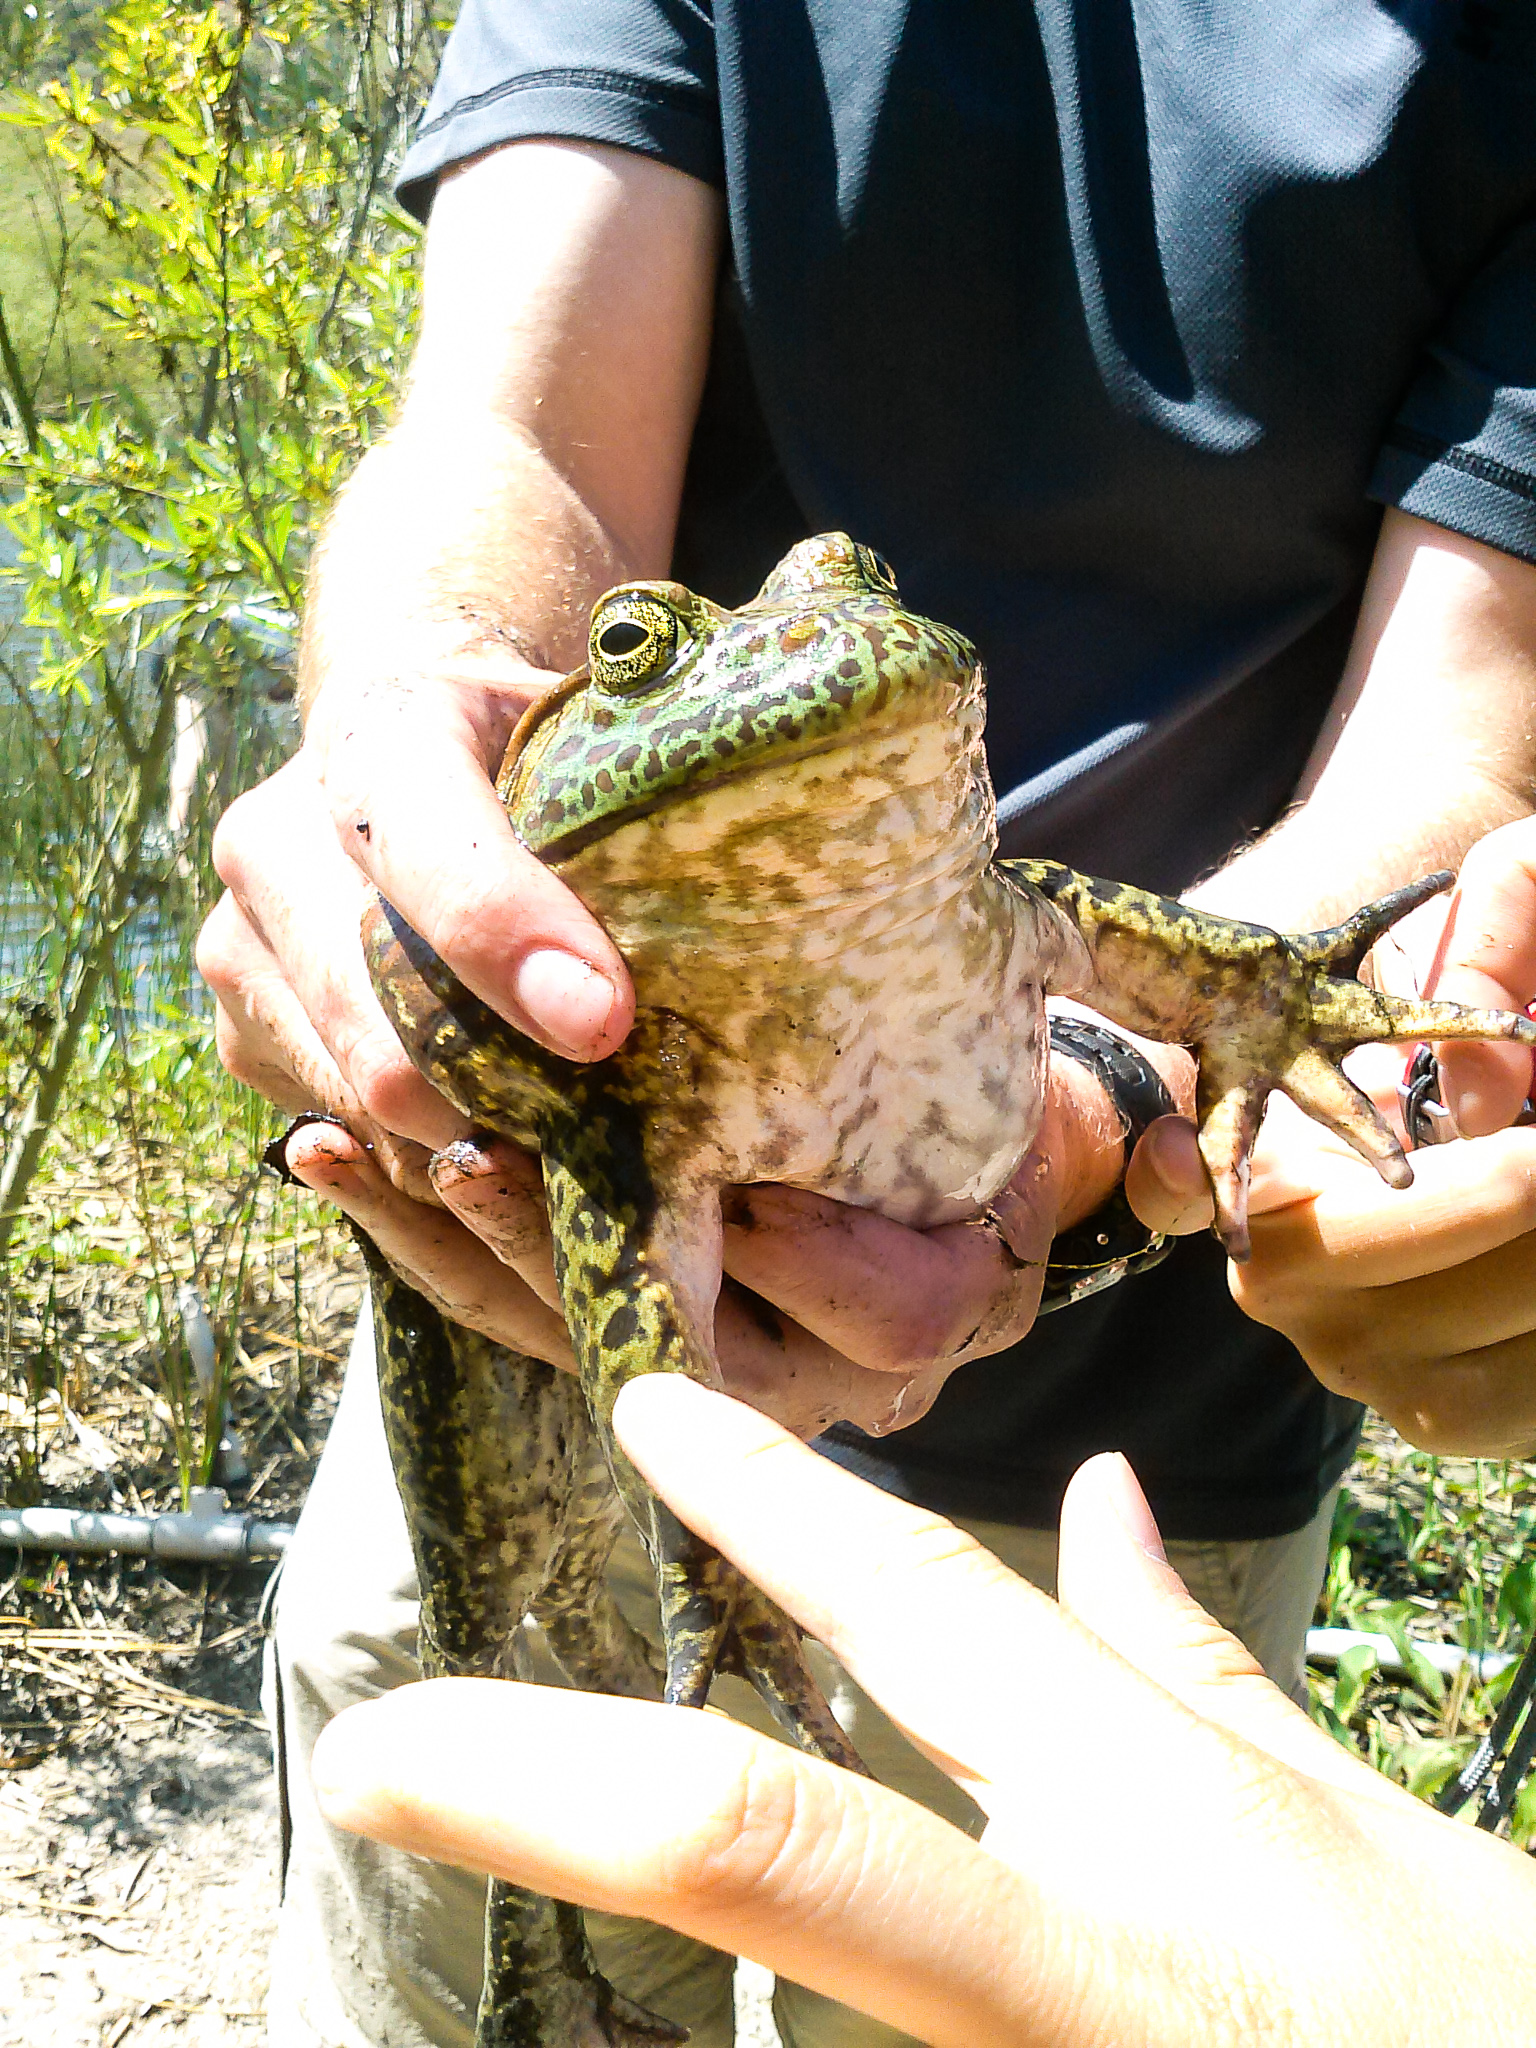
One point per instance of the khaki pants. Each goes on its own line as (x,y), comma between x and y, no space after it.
(376,1949)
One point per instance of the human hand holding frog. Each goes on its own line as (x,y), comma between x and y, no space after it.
(513,490)
(1420,1301)
(871,1315)
(1259,1881)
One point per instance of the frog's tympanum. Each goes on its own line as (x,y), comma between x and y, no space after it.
(783,817)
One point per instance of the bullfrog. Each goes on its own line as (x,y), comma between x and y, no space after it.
(782,814)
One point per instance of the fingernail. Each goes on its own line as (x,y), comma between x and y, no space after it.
(567,1001)
(345,1765)
(1128,1504)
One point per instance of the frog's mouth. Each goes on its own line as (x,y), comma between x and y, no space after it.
(564,846)
(568,793)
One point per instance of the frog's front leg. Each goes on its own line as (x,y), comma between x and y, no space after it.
(1263,1010)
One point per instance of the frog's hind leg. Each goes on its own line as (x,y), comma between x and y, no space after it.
(484,1444)
(588,1634)
(629,1259)
(600,1652)
(637,1254)
(764,1648)
(563,2001)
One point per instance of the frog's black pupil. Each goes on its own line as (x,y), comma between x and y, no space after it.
(621,638)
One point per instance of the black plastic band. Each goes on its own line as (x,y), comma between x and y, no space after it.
(1113,1242)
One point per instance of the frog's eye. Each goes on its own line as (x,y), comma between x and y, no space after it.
(881,575)
(633,640)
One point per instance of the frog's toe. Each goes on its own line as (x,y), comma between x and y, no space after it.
(697,1590)
(1317,1086)
(542,1984)
(1342,947)
(765,1650)
(1230,1108)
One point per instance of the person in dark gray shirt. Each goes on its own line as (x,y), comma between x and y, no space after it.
(1182,356)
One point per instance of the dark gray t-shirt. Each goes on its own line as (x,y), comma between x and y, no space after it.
(1111,323)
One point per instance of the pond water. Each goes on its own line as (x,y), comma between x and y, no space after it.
(154,951)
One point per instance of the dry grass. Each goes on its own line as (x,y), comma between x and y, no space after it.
(100,1412)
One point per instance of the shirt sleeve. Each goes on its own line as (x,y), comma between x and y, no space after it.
(639,74)
(1462,451)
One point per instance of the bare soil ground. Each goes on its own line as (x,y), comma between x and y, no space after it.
(139,1885)
(138,1838)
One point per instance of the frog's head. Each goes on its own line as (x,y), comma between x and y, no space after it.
(682,701)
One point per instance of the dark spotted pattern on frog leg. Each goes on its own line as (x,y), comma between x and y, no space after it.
(783,817)
(494,1455)
(613,1170)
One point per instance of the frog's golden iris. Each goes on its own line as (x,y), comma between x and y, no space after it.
(632,642)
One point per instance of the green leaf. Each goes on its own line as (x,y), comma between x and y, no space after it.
(1420,1673)
(1517,1596)
(1356,1668)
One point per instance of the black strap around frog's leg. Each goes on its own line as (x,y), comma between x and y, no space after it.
(1113,1242)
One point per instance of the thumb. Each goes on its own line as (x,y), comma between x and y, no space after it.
(1165,1180)
(1489,959)
(1113,1577)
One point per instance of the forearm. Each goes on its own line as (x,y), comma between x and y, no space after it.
(456,552)
(1431,741)
(539,455)
(1336,851)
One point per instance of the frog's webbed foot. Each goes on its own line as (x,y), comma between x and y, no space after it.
(1264,1011)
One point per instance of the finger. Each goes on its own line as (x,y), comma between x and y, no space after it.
(1489,955)
(773,1364)
(727,1836)
(455,871)
(1165,1181)
(496,1190)
(1216,1815)
(1427,1352)
(432,1251)
(853,1565)
(897,1300)
(265,1040)
(1113,1576)
(1296,1159)
(1473,1404)
(1466,1200)
(262,1035)
(275,852)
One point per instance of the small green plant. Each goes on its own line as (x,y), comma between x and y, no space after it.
(1427,1549)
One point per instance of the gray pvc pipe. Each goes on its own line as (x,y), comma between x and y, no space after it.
(1328,1645)
(206,1534)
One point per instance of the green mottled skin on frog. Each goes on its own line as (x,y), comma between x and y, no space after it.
(783,817)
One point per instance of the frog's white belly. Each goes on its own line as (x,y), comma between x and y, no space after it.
(861,995)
